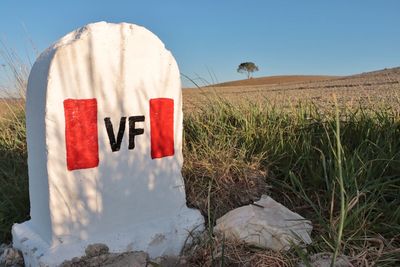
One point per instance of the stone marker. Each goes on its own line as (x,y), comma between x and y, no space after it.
(104,133)
(266,223)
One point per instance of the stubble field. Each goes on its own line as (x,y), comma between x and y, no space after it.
(369,90)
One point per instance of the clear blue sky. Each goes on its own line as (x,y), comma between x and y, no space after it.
(282,37)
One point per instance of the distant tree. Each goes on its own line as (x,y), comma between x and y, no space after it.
(248,68)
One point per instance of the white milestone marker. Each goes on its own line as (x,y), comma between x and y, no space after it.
(104,133)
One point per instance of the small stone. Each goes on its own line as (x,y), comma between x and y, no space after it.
(267,224)
(105,259)
(131,259)
(100,260)
(96,250)
(157,261)
(168,261)
(75,260)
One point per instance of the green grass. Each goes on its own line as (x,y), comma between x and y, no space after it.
(14,196)
(345,180)
(14,192)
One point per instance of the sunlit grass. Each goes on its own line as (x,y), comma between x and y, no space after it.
(340,171)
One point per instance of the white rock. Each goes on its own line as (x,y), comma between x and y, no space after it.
(85,187)
(267,224)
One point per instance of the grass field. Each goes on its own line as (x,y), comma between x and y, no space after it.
(335,162)
(368,90)
(243,151)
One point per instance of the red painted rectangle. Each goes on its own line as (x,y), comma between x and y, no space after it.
(81,135)
(162,127)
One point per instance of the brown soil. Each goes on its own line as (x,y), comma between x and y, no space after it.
(276,80)
(367,89)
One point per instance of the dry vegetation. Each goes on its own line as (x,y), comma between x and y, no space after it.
(3,108)
(236,151)
(279,139)
(371,90)
(9,106)
(281,142)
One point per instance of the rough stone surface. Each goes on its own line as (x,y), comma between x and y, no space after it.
(10,257)
(168,261)
(325,259)
(267,223)
(96,250)
(104,134)
(98,255)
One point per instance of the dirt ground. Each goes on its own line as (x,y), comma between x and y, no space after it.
(373,89)
(277,80)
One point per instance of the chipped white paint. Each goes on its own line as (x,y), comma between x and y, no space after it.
(129,201)
(267,224)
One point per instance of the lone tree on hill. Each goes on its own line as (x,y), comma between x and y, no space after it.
(247,67)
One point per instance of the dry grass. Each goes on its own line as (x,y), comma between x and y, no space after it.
(8,107)
(218,251)
(236,151)
(3,109)
(372,90)
(234,183)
